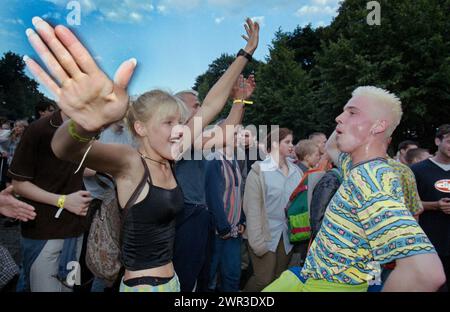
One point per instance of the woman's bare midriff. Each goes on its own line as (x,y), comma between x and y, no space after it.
(162,271)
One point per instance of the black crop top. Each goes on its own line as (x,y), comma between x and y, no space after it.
(148,231)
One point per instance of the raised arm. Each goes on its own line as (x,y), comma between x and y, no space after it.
(83,92)
(218,95)
(242,90)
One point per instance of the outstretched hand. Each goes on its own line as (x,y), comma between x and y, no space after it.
(252,37)
(243,88)
(83,91)
(14,208)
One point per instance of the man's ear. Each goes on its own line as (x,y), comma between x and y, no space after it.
(140,129)
(380,126)
(437,141)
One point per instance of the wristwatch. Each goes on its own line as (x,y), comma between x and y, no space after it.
(248,56)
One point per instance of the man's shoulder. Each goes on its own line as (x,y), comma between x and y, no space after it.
(38,127)
(403,170)
(372,167)
(422,166)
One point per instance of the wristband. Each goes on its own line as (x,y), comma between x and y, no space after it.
(76,136)
(245,54)
(242,102)
(60,205)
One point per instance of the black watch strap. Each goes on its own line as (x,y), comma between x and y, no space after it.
(248,56)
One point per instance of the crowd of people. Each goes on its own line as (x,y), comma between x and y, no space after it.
(255,213)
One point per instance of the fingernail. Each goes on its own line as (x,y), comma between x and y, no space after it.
(36,20)
(25,58)
(133,60)
(29,32)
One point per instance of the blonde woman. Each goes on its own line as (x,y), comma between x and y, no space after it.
(145,181)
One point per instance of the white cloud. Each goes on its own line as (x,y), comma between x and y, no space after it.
(320,24)
(180,5)
(128,11)
(161,9)
(225,6)
(313,9)
(219,20)
(54,15)
(13,21)
(259,19)
(136,16)
(11,34)
(326,2)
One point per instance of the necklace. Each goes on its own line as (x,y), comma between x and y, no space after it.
(154,160)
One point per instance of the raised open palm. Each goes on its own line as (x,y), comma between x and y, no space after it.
(83,91)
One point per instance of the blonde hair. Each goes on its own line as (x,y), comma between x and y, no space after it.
(391,104)
(154,103)
(305,148)
(22,122)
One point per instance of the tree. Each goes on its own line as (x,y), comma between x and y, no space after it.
(310,73)
(281,96)
(18,93)
(407,54)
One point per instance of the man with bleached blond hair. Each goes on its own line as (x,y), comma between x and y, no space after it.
(366,223)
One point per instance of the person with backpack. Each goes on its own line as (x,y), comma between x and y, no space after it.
(146,185)
(267,190)
(104,207)
(308,154)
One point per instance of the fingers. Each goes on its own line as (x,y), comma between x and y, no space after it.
(247,30)
(8,191)
(125,72)
(25,214)
(84,211)
(46,56)
(249,25)
(79,53)
(251,81)
(47,34)
(84,193)
(42,76)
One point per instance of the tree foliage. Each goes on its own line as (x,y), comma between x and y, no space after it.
(310,73)
(18,93)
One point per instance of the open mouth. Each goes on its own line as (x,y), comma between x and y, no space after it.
(175,141)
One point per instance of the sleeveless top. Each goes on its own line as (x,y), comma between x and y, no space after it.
(148,231)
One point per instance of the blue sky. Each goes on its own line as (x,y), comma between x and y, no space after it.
(173,40)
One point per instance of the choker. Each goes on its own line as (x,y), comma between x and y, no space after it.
(154,160)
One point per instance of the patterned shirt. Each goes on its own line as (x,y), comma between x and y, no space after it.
(407,182)
(366,224)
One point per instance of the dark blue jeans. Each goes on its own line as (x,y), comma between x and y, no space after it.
(226,264)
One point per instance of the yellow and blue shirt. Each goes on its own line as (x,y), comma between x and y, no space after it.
(366,222)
